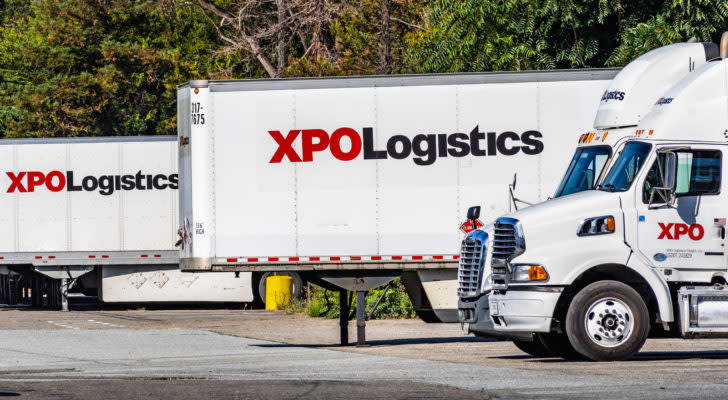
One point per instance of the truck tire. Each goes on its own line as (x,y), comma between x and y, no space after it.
(607,321)
(535,347)
(297,284)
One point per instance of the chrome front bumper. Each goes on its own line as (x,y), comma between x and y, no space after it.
(474,316)
(523,310)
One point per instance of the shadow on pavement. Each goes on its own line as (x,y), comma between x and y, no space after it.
(388,342)
(643,356)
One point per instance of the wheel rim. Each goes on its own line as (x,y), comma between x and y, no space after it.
(609,322)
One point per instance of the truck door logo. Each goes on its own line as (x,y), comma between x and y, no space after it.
(346,144)
(673,231)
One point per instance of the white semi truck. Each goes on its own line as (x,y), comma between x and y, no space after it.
(352,182)
(595,273)
(97,215)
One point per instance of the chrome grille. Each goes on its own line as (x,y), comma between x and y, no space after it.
(504,241)
(507,243)
(470,270)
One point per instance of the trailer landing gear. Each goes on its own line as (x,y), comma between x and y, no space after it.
(360,284)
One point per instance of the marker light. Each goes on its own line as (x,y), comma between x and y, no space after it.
(527,273)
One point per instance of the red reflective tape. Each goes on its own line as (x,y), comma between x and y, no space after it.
(293,258)
(272,258)
(314,258)
(416,257)
(455,257)
(51,257)
(104,256)
(157,256)
(355,258)
(38,257)
(396,257)
(376,258)
(144,256)
(232,260)
(252,260)
(91,256)
(437,257)
(2,258)
(335,258)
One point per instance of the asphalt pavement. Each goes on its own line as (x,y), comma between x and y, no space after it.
(191,354)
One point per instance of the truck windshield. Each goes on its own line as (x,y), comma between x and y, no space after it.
(584,170)
(626,167)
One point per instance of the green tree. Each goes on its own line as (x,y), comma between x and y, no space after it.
(89,68)
(484,35)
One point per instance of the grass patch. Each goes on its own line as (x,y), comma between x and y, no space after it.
(319,302)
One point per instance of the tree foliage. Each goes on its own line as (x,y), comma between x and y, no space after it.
(91,67)
(476,35)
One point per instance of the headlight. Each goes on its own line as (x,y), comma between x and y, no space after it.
(529,273)
(596,226)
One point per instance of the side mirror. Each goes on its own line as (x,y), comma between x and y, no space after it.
(669,171)
(474,213)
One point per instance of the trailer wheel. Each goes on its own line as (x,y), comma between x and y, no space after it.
(607,321)
(297,284)
(535,347)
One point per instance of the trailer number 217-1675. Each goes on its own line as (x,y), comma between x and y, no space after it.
(198,118)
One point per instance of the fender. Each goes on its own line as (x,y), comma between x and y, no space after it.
(657,284)
(641,267)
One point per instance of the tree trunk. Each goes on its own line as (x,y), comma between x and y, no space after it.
(385,52)
(281,49)
(322,36)
(246,42)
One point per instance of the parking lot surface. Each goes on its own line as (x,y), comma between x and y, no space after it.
(234,353)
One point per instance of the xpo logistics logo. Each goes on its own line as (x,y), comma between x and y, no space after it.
(673,231)
(346,144)
(106,185)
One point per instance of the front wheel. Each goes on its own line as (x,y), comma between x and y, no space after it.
(607,321)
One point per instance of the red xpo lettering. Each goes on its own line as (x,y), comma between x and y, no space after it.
(316,140)
(55,181)
(694,232)
(285,146)
(17,182)
(425,149)
(335,144)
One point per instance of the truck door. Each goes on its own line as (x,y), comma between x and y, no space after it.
(690,235)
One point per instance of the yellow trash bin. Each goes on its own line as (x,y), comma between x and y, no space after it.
(278,292)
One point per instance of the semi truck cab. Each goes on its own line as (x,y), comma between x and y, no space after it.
(594,274)
(488,254)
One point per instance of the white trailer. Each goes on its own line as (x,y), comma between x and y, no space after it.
(355,181)
(103,210)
